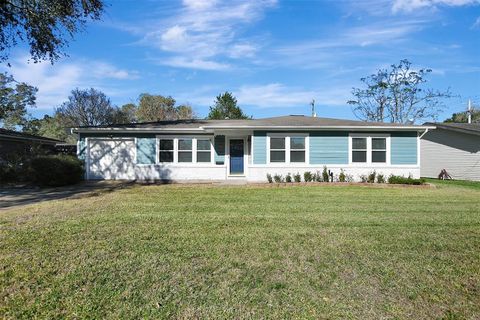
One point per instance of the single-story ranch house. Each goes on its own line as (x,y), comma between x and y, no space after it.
(454,147)
(248,149)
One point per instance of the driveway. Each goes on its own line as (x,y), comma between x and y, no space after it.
(17,196)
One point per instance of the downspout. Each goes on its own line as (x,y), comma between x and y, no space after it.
(426,130)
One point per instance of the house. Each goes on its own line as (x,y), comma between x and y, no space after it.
(248,149)
(454,147)
(13,143)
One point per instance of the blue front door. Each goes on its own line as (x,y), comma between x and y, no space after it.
(236,156)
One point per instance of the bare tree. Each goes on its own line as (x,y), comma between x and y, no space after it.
(398,96)
(87,108)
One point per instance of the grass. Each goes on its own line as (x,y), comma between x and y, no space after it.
(245,252)
(457,183)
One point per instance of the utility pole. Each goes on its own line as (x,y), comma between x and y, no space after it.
(314,114)
(469,112)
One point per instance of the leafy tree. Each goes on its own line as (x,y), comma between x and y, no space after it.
(46,25)
(126,114)
(55,127)
(15,98)
(88,107)
(462,117)
(157,108)
(397,95)
(226,108)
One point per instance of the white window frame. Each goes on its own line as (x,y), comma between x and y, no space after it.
(369,150)
(287,137)
(203,151)
(194,150)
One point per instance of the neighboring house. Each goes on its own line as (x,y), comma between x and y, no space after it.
(248,149)
(13,143)
(454,147)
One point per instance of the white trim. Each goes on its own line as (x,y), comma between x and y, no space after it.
(194,138)
(203,129)
(366,128)
(287,137)
(369,150)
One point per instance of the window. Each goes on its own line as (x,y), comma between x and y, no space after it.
(379,150)
(277,149)
(166,150)
(204,153)
(297,149)
(185,150)
(283,148)
(370,148)
(359,149)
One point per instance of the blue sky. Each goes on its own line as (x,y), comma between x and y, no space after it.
(275,56)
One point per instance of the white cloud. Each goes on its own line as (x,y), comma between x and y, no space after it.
(412,5)
(54,82)
(193,63)
(275,95)
(476,24)
(206,31)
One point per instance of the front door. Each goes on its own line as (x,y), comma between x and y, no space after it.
(236,156)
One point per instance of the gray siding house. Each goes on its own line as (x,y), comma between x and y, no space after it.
(454,147)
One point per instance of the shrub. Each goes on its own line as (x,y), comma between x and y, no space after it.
(325,174)
(307,176)
(288,178)
(363,178)
(278,178)
(342,177)
(349,178)
(269,178)
(318,176)
(371,177)
(392,179)
(297,177)
(57,170)
(380,178)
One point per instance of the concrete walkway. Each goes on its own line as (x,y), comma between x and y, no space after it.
(17,196)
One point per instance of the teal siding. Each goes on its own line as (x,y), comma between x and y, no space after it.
(146,150)
(328,147)
(259,140)
(403,148)
(219,146)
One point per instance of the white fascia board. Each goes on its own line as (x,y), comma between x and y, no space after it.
(359,128)
(138,130)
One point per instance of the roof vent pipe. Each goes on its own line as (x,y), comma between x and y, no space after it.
(314,114)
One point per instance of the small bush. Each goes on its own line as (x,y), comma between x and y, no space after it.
(297,177)
(342,177)
(363,178)
(307,176)
(57,170)
(269,178)
(392,179)
(325,175)
(318,176)
(288,178)
(371,177)
(349,178)
(278,178)
(380,178)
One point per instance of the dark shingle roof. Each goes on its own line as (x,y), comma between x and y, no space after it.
(15,135)
(284,121)
(470,128)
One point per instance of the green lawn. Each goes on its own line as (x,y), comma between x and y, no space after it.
(180,251)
